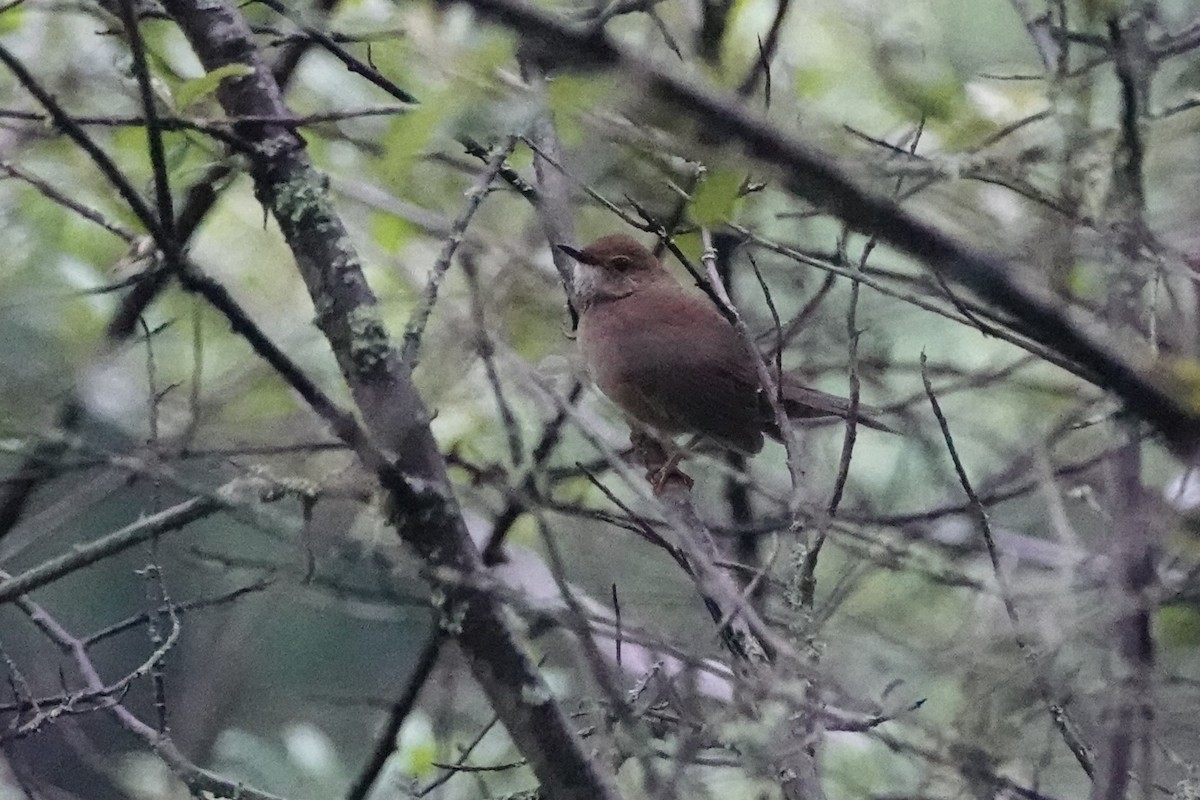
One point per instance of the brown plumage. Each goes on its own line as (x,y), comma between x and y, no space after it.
(669,359)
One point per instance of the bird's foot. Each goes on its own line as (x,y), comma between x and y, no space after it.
(662,468)
(667,478)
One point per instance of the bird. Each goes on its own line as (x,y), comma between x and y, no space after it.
(671,361)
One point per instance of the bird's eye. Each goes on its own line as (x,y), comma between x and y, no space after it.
(620,263)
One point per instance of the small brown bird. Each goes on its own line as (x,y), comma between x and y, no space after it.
(669,359)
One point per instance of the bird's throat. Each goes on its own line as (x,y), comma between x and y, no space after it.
(593,287)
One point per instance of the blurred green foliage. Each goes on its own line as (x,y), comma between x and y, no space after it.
(285,689)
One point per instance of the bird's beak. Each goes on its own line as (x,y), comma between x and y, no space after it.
(573,253)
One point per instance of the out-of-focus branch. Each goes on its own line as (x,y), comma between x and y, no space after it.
(198,781)
(714,20)
(198,200)
(813,175)
(554,187)
(385,742)
(761,68)
(1133,537)
(143,530)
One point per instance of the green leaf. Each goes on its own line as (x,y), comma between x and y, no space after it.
(199,88)
(390,232)
(571,96)
(12,19)
(1178,625)
(417,746)
(810,82)
(1182,376)
(716,198)
(691,245)
(409,135)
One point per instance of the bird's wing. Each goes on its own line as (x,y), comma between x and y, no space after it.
(693,372)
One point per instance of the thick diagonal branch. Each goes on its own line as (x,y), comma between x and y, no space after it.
(813,175)
(396,419)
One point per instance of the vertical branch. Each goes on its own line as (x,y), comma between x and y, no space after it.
(553,185)
(155,588)
(1129,713)
(158,161)
(737,489)
(808,571)
(1127,199)
(852,336)
(487,354)
(808,568)
(797,767)
(770,388)
(714,20)
(1133,539)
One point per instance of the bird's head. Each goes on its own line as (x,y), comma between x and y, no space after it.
(611,268)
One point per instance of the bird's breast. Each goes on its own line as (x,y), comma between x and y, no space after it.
(623,352)
(608,340)
(670,360)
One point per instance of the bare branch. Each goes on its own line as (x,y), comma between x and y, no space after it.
(426,514)
(811,174)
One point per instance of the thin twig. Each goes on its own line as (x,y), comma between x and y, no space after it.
(807,579)
(340,53)
(179,608)
(486,350)
(769,387)
(454,769)
(65,200)
(158,159)
(812,174)
(385,740)
(197,780)
(1058,714)
(171,519)
(475,195)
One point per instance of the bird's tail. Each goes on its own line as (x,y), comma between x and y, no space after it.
(802,403)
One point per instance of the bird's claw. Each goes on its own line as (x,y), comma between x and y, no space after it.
(662,468)
(668,477)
